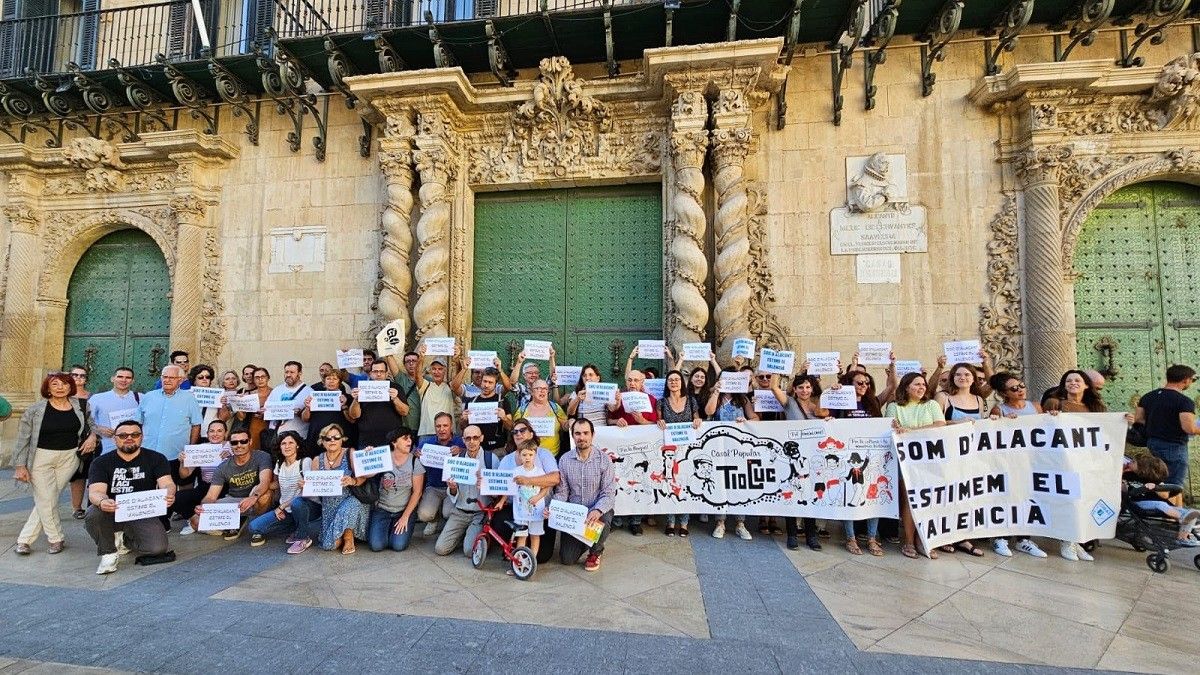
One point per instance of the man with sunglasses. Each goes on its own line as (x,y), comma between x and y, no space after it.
(408,382)
(465,520)
(245,480)
(131,468)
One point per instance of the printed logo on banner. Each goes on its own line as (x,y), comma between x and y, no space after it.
(1102,512)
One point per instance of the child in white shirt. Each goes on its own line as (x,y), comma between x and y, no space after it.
(530,503)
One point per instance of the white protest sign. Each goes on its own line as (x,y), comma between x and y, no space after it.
(374,391)
(207,397)
(651,349)
(874,353)
(220,517)
(780,363)
(117,416)
(604,392)
(765,401)
(442,346)
(636,402)
(389,341)
(567,376)
(696,351)
(544,427)
(483,412)
(202,454)
(326,401)
(350,358)
(655,386)
(322,483)
(735,382)
(139,505)
(823,363)
(538,350)
(434,456)
(743,347)
(679,433)
(839,399)
(369,461)
(279,411)
(905,367)
(246,403)
(498,482)
(962,351)
(481,358)
(460,469)
(572,519)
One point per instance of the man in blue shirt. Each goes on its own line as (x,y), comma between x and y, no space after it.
(121,400)
(434,506)
(170,418)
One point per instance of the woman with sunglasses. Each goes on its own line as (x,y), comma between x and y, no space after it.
(912,409)
(1013,404)
(343,517)
(866,405)
(522,434)
(253,423)
(202,376)
(80,375)
(550,413)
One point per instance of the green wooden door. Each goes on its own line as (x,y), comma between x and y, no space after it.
(119,309)
(581,267)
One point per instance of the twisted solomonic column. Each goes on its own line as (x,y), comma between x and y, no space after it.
(689,144)
(731,225)
(395,277)
(432,272)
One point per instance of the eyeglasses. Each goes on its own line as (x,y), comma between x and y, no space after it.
(541,388)
(204,376)
(1017,387)
(472,438)
(244,441)
(131,434)
(522,430)
(83,375)
(861,383)
(260,377)
(332,438)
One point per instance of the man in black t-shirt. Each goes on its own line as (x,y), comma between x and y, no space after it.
(494,433)
(376,418)
(1170,418)
(131,468)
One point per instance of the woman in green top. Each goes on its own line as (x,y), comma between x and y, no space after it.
(912,409)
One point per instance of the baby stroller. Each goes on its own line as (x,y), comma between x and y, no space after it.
(1150,530)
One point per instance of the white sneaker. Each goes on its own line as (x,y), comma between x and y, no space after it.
(742,532)
(431,529)
(119,539)
(187,529)
(1027,546)
(1082,554)
(1000,546)
(108,563)
(1067,550)
(719,531)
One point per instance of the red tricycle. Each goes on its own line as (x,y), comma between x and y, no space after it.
(524,562)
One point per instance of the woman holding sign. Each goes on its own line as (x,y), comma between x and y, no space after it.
(676,406)
(961,401)
(803,404)
(912,409)
(253,422)
(323,417)
(202,376)
(730,407)
(343,518)
(543,415)
(579,405)
(866,405)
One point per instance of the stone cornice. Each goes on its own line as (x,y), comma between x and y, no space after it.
(1100,76)
(153,146)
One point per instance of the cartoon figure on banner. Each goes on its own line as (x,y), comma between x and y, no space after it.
(827,480)
(703,481)
(641,476)
(800,481)
(856,489)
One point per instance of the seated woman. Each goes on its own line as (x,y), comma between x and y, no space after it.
(395,514)
(294,513)
(1151,471)
(343,517)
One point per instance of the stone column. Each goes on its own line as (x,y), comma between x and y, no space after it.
(689,144)
(1049,296)
(434,158)
(731,136)
(395,159)
(187,286)
(20,348)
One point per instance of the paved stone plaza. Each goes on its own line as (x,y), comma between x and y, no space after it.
(656,605)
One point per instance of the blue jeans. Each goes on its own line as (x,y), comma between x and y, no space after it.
(1174,454)
(304,514)
(872,528)
(381,532)
(682,518)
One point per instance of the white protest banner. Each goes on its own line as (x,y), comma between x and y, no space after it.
(117,416)
(696,351)
(498,482)
(434,456)
(442,346)
(279,411)
(481,358)
(781,363)
(322,483)
(874,353)
(544,427)
(679,433)
(207,397)
(572,519)
(483,412)
(567,376)
(350,358)
(326,401)
(389,341)
(538,350)
(1053,476)
(369,461)
(908,366)
(220,517)
(655,386)
(838,469)
(743,347)
(635,402)
(246,403)
(605,392)
(374,391)
(460,469)
(765,401)
(139,505)
(202,454)
(839,399)
(735,382)
(651,349)
(823,363)
(962,351)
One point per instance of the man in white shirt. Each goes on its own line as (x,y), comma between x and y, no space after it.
(121,399)
(293,390)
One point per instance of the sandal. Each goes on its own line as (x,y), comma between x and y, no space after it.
(775,528)
(909,551)
(683,531)
(874,548)
(764,527)
(348,545)
(933,555)
(968,547)
(852,547)
(948,548)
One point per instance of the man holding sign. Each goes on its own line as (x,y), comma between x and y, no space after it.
(586,477)
(245,480)
(129,470)
(465,520)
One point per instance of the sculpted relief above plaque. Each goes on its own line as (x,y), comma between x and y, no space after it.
(877,217)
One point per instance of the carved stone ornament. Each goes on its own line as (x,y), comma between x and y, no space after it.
(1041,164)
(60,227)
(1000,316)
(874,189)
(213,328)
(100,161)
(1171,104)
(1177,90)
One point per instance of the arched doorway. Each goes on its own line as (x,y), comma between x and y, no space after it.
(119,309)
